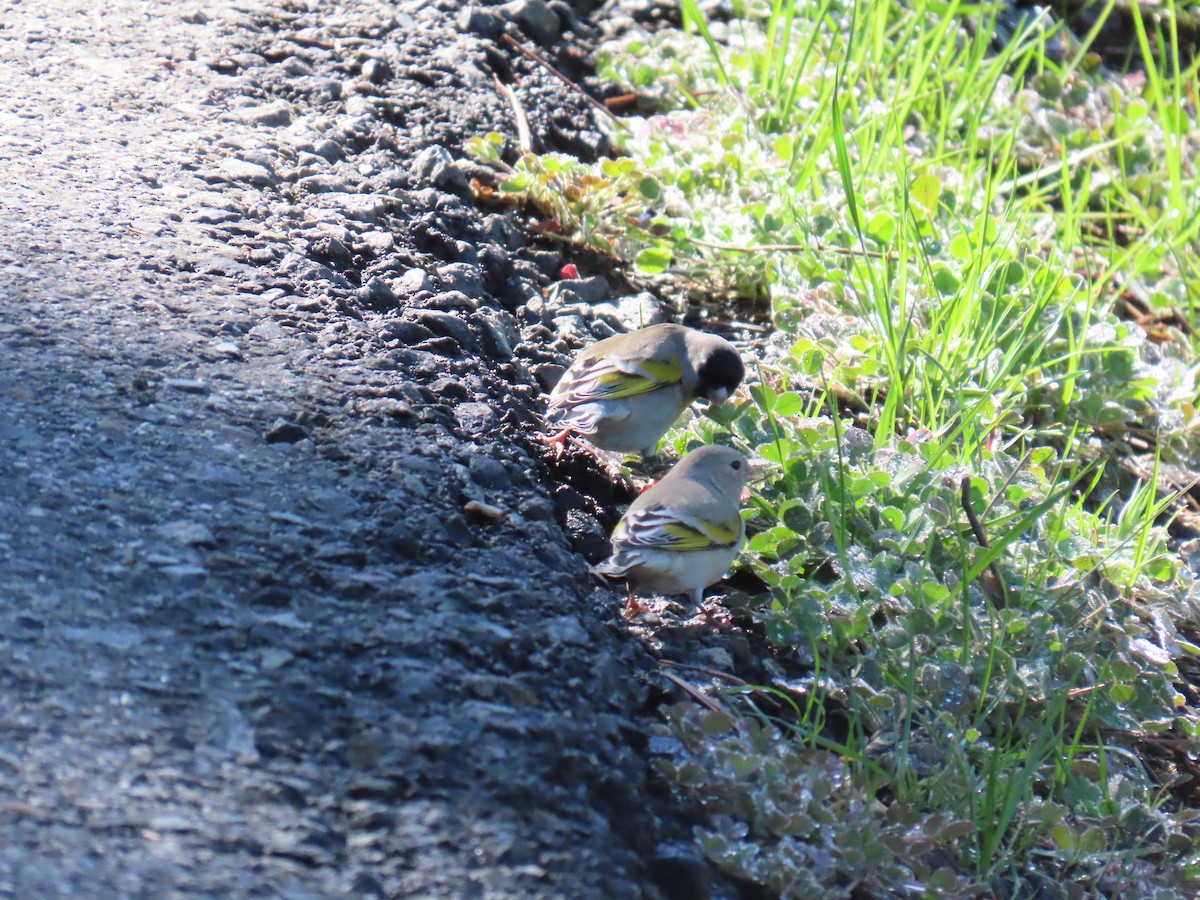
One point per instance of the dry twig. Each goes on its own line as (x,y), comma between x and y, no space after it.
(542,61)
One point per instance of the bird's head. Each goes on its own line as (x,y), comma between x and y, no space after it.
(720,372)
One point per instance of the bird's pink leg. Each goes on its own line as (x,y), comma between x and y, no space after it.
(558,442)
(633,606)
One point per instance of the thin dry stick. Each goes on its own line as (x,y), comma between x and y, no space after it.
(703,700)
(794,248)
(301,41)
(715,673)
(524,136)
(998,594)
(541,61)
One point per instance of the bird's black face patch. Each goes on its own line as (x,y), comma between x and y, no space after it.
(722,370)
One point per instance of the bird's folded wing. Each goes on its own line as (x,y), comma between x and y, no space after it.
(612,379)
(658,528)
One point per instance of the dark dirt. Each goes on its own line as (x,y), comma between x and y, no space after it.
(290,603)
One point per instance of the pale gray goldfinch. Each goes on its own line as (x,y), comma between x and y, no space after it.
(625,392)
(680,535)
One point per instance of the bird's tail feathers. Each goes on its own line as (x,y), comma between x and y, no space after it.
(581,419)
(617,565)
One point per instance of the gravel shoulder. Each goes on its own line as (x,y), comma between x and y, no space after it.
(287,607)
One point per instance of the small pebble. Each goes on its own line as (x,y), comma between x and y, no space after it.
(483,512)
(284,432)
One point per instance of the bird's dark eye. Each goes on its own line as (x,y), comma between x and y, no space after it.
(737,464)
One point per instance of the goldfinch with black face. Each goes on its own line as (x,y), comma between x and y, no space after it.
(682,534)
(625,392)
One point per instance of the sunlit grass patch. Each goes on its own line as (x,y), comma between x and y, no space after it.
(981,212)
(980,264)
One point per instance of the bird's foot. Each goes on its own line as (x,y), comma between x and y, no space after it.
(558,442)
(633,607)
(714,614)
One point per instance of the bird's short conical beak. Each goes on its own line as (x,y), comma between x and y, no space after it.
(719,396)
(759,468)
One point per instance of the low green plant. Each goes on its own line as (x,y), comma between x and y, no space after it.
(1000,686)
